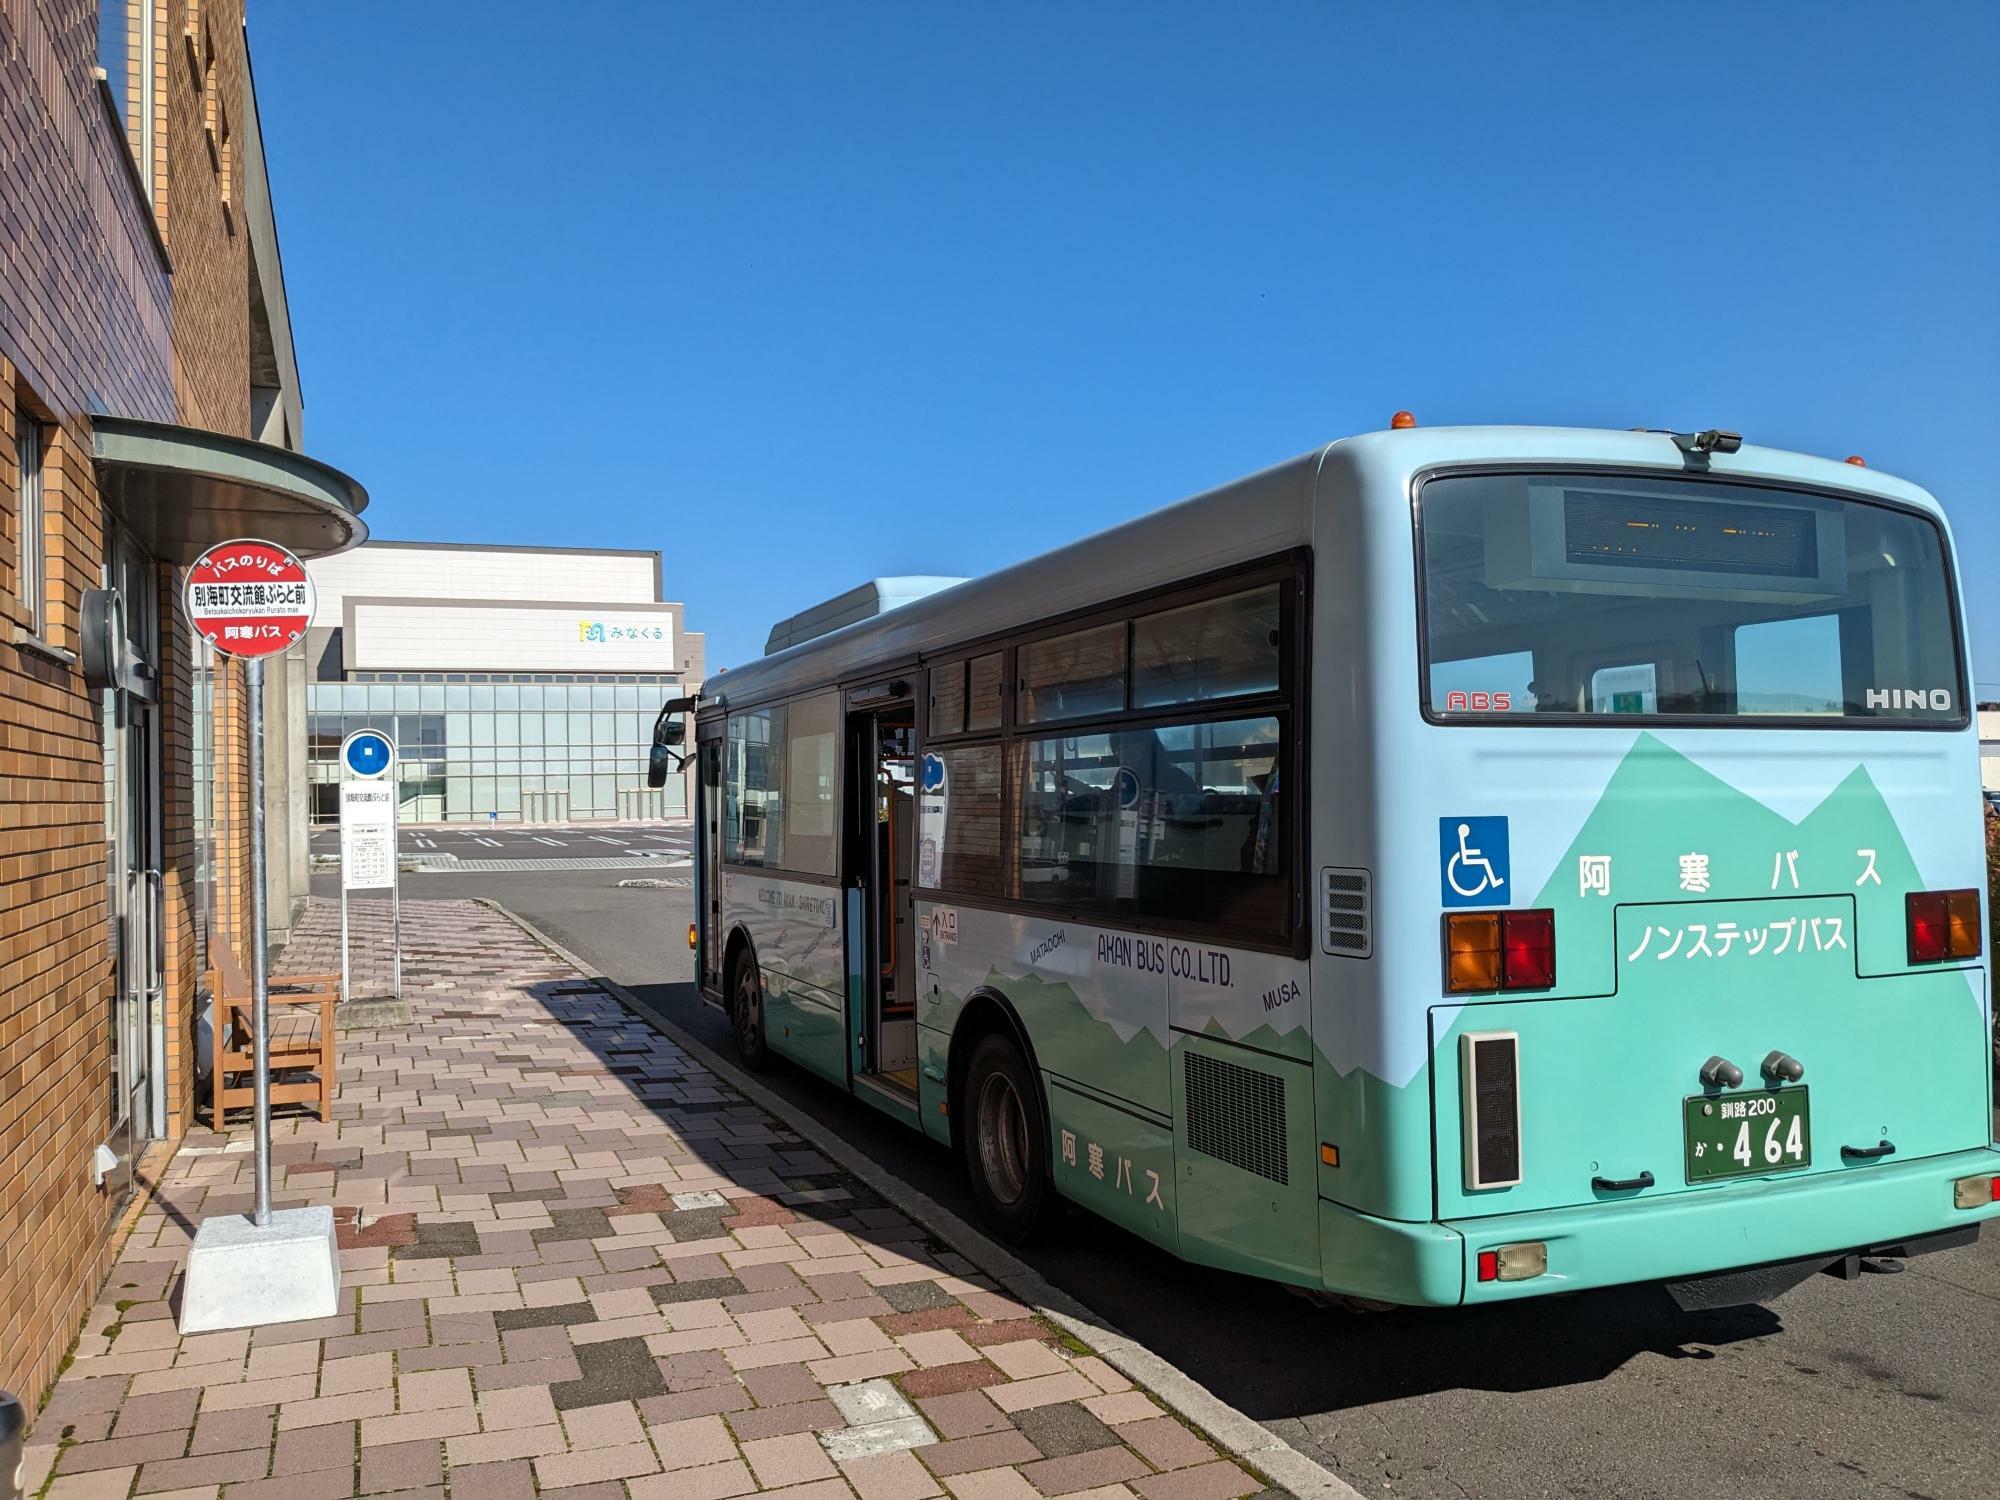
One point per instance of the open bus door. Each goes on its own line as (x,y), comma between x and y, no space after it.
(881,846)
(708,852)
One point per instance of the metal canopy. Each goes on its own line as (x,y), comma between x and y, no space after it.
(183,489)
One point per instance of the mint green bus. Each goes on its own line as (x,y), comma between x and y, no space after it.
(1453,865)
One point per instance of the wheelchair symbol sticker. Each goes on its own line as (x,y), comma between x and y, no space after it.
(1472,862)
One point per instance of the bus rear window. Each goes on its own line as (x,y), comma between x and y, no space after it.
(1560,596)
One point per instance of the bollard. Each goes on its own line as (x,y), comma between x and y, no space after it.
(13,1431)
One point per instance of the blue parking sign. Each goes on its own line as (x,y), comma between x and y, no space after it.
(1472,862)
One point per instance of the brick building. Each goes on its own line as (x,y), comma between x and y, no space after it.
(148,408)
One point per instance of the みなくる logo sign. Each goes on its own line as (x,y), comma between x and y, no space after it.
(597,630)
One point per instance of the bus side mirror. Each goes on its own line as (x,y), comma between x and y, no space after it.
(669,734)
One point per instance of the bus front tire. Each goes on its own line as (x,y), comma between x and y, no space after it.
(746,1016)
(1005,1142)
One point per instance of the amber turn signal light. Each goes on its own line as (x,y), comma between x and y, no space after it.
(691,937)
(1471,951)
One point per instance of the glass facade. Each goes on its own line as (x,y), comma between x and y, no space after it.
(493,747)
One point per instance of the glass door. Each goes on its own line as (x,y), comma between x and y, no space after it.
(134,837)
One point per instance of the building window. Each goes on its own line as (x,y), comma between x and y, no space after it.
(512,751)
(31,557)
(114,52)
(226,165)
(125,39)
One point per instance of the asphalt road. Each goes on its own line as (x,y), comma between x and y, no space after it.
(514,841)
(1883,1387)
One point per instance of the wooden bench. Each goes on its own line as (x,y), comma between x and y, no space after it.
(301,1038)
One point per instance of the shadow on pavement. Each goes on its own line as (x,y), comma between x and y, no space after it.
(1254,1344)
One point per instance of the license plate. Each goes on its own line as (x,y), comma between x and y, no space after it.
(1745,1134)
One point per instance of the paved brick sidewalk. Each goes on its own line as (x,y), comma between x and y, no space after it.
(577,1265)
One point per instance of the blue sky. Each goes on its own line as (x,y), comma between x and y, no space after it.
(802,293)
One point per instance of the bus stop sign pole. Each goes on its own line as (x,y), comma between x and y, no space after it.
(260,944)
(253,599)
(368,841)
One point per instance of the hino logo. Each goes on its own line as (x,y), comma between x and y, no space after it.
(1938,699)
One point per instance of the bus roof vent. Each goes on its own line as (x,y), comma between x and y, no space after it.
(876,597)
(1344,912)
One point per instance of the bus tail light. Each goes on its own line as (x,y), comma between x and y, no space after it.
(1521,1262)
(1489,1068)
(1975,1192)
(1499,950)
(1528,950)
(1942,925)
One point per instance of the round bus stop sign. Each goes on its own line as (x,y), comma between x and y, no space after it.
(249,598)
(367,753)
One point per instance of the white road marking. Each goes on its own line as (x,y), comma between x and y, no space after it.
(491,843)
(552,843)
(601,839)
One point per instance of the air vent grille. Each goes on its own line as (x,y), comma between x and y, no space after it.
(1346,912)
(1236,1115)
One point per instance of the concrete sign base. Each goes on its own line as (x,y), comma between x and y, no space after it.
(240,1276)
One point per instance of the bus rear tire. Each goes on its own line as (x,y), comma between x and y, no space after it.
(1005,1143)
(746,1015)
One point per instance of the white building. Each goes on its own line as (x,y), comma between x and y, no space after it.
(519,683)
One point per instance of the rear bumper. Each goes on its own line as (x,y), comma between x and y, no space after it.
(1669,1237)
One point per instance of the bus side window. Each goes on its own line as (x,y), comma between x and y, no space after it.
(1219,648)
(947,700)
(982,707)
(1072,676)
(961,841)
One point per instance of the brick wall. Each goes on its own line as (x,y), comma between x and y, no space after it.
(211,346)
(91,320)
(84,300)
(211,248)
(55,953)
